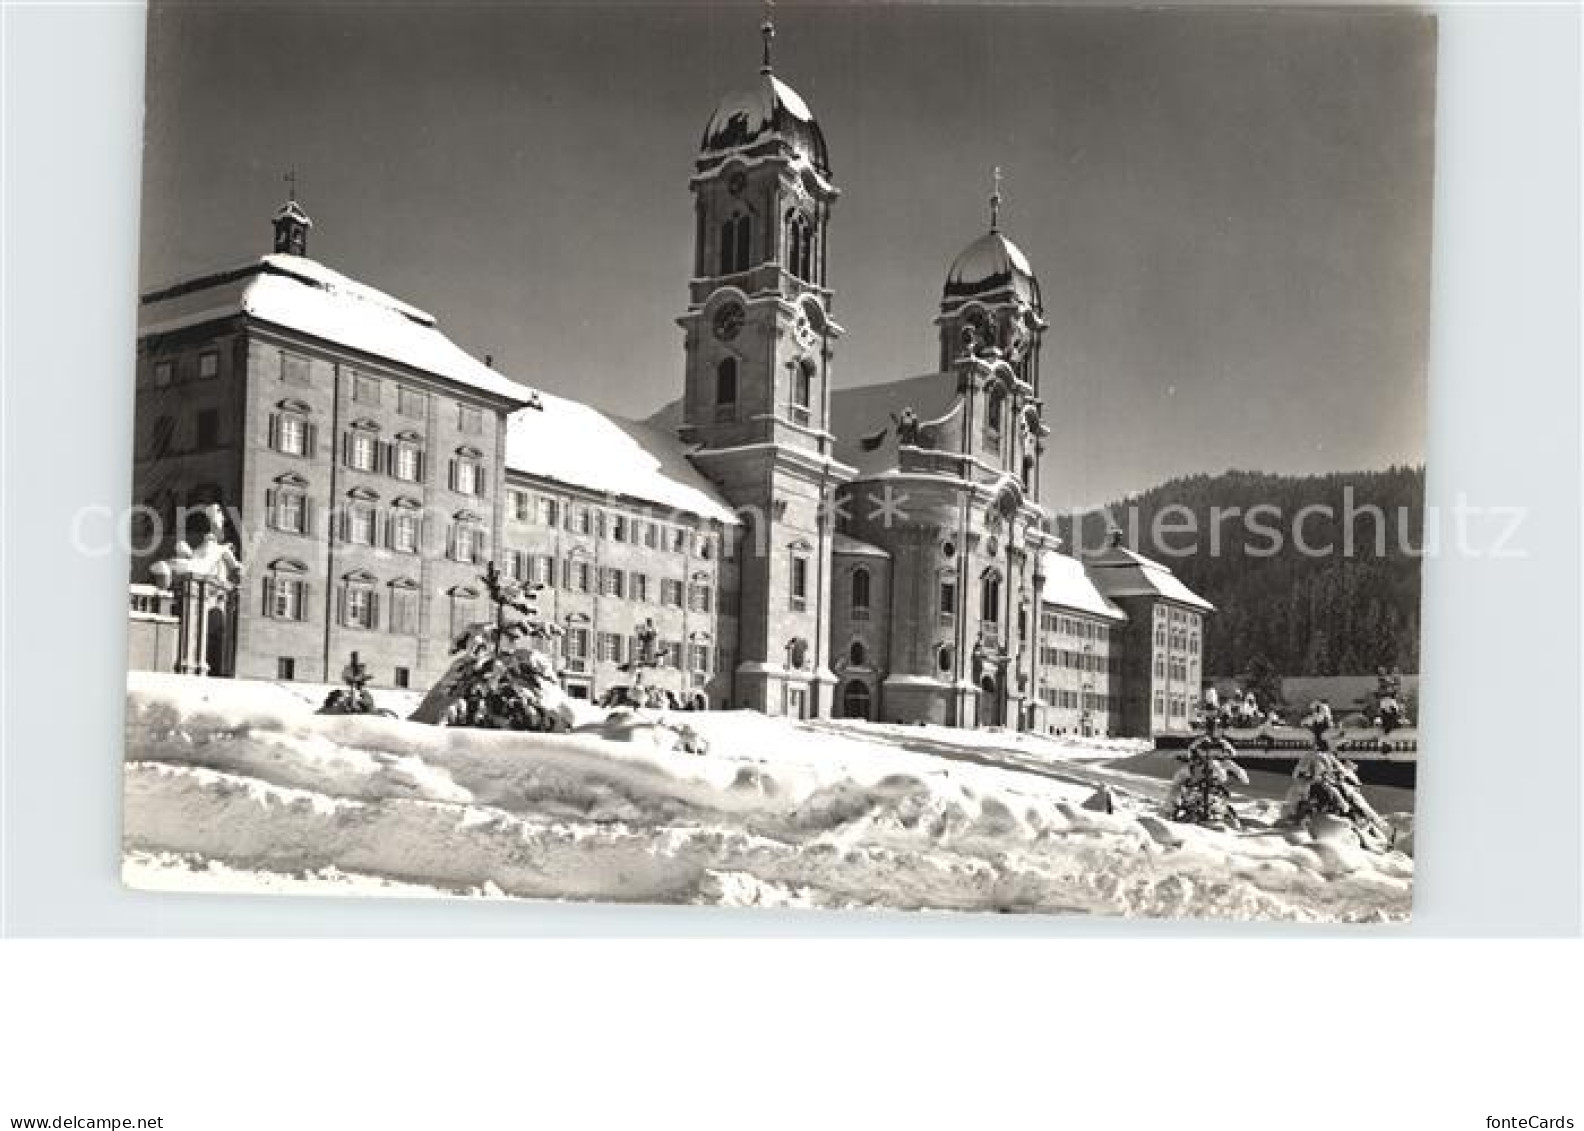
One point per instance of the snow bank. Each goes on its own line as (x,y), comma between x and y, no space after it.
(235,786)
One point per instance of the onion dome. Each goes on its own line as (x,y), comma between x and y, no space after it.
(992,268)
(770,111)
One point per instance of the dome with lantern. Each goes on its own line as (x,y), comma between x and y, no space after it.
(992,268)
(769,111)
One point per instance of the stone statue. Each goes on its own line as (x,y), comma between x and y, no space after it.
(907,426)
(648,644)
(212,558)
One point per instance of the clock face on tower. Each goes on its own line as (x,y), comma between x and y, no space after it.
(805,333)
(728,321)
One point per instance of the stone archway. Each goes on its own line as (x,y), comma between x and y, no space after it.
(857,700)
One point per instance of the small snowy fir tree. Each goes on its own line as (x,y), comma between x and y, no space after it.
(1325,785)
(354,698)
(1201,792)
(500,679)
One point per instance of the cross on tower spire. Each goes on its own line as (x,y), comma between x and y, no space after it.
(995,200)
(767,33)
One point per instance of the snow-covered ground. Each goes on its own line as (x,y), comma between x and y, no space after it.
(234,786)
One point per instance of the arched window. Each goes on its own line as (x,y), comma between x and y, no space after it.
(802,390)
(990,599)
(860,593)
(857,654)
(995,412)
(800,247)
(726,388)
(856,700)
(736,235)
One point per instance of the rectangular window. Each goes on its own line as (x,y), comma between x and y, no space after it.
(670,592)
(358,525)
(285,598)
(799,586)
(517,565)
(679,540)
(404,532)
(289,511)
(651,535)
(543,570)
(470,419)
(639,587)
(698,657)
(577,649)
(519,504)
(359,611)
(802,393)
(614,583)
(208,428)
(583,520)
(291,434)
(365,389)
(403,677)
(699,599)
(579,576)
(549,512)
(610,647)
(467,543)
(411,402)
(285,668)
(618,528)
(208,365)
(164,372)
(948,599)
(408,464)
(461,615)
(403,611)
(361,451)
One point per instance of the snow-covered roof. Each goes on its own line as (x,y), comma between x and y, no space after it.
(867,410)
(855,547)
(1068,585)
(1121,572)
(575,444)
(303,295)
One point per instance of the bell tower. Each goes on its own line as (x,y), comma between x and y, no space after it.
(759,340)
(291,223)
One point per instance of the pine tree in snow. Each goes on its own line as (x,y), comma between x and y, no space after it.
(500,680)
(1201,792)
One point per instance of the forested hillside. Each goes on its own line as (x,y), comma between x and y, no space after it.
(1307,613)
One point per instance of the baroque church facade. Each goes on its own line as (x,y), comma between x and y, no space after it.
(901,570)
